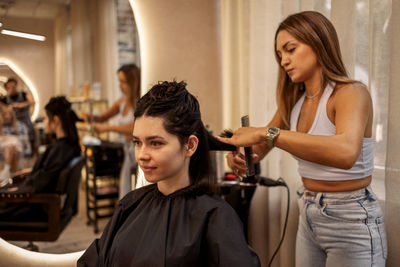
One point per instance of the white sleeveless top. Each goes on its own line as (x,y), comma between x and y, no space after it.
(124,119)
(364,165)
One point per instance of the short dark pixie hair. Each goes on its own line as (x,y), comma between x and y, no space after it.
(180,111)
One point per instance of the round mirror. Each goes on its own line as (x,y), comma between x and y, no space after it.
(12,255)
(86,42)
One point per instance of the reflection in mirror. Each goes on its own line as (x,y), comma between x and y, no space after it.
(9,70)
(86,42)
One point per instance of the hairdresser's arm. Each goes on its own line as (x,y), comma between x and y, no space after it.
(353,110)
(261,148)
(21,172)
(236,159)
(107,114)
(29,102)
(126,129)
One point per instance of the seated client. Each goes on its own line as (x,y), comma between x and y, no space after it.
(177,221)
(59,119)
(13,142)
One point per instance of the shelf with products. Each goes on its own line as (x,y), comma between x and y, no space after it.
(82,106)
(102,163)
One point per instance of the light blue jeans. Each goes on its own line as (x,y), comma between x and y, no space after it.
(340,229)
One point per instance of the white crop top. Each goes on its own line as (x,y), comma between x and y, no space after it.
(323,126)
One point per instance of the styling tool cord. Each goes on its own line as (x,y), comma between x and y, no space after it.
(251,180)
(286,221)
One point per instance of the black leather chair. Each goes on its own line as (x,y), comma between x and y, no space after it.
(61,207)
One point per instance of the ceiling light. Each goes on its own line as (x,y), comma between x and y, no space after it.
(24,35)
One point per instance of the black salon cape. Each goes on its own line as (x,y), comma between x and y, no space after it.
(185,228)
(42,179)
(48,166)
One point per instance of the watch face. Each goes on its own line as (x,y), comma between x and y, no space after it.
(273,130)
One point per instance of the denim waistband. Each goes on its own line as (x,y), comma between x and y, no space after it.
(331,197)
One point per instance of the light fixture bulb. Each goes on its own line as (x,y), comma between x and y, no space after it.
(24,35)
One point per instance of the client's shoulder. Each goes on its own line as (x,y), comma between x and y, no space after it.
(137,195)
(212,203)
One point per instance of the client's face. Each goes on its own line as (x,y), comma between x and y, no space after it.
(159,154)
(49,125)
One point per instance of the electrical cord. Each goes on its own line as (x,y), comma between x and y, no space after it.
(282,183)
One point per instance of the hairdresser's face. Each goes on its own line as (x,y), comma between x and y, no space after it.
(159,154)
(11,88)
(123,83)
(297,58)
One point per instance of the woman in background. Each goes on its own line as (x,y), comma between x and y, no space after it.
(177,220)
(123,108)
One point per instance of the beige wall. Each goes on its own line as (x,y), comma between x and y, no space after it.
(179,40)
(34,58)
(86,48)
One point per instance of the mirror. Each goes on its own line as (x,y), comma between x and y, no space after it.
(15,256)
(86,42)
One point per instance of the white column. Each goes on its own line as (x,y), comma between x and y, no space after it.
(81,43)
(180,40)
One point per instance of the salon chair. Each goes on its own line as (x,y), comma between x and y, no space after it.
(60,208)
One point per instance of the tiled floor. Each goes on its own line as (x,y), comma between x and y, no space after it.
(76,236)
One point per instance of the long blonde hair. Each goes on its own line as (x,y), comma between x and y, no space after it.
(314,29)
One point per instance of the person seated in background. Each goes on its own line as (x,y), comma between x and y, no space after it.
(21,102)
(177,220)
(59,119)
(13,143)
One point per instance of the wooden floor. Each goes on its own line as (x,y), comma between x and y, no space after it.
(76,236)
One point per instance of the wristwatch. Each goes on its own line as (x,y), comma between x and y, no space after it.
(271,134)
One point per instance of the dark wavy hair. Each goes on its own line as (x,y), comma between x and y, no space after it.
(180,111)
(61,107)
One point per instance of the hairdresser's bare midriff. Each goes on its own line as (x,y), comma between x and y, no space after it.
(335,186)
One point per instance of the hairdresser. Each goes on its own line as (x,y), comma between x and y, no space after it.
(324,119)
(123,109)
